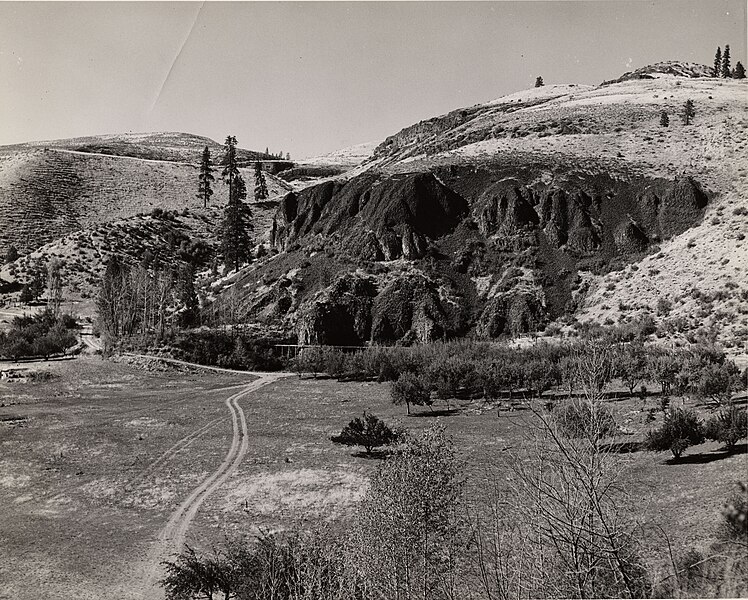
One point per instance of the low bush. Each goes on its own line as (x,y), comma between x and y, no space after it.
(579,418)
(41,335)
(369,432)
(728,426)
(681,429)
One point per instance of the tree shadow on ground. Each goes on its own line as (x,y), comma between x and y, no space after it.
(623,447)
(373,455)
(440,412)
(709,457)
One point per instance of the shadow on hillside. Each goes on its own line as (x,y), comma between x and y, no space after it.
(708,457)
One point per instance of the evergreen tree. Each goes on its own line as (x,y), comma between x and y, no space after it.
(688,112)
(739,72)
(288,154)
(726,72)
(237,220)
(12,253)
(206,177)
(261,188)
(54,287)
(26,296)
(188,297)
(539,82)
(664,119)
(717,63)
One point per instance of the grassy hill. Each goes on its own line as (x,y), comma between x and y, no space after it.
(85,199)
(51,189)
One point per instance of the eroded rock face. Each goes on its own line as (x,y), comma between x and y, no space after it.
(352,311)
(409,309)
(376,219)
(545,223)
(340,315)
(514,312)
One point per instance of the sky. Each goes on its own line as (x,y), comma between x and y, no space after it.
(313,77)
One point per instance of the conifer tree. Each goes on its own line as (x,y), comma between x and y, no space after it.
(739,72)
(688,112)
(261,188)
(726,72)
(237,220)
(54,286)
(717,63)
(12,253)
(664,119)
(539,82)
(205,191)
(188,296)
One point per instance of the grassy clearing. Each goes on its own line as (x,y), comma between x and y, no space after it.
(82,502)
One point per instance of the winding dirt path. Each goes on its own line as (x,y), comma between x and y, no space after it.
(172,537)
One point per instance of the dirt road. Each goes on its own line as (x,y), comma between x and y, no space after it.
(172,537)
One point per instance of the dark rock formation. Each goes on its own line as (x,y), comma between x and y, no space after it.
(340,315)
(408,310)
(515,312)
(464,221)
(375,219)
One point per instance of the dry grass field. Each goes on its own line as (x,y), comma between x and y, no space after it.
(95,460)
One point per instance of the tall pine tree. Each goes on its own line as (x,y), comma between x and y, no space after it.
(726,72)
(237,217)
(739,71)
(190,307)
(261,188)
(717,63)
(205,190)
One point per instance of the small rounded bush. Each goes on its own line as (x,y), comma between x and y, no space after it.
(681,429)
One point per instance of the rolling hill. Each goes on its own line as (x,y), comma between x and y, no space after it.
(557,205)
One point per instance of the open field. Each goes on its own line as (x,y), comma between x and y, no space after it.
(96,465)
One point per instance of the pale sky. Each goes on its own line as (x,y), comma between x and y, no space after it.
(309,77)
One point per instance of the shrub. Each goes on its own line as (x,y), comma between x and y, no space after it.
(735,526)
(728,426)
(369,432)
(681,429)
(408,525)
(578,418)
(410,389)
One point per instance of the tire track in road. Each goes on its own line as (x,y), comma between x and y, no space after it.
(172,536)
(180,445)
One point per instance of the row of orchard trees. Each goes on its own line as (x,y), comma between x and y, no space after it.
(137,300)
(472,369)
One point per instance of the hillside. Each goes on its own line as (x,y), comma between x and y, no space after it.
(559,204)
(328,166)
(51,189)
(506,216)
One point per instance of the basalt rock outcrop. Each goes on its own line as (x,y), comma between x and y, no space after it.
(411,309)
(340,315)
(356,310)
(374,218)
(510,216)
